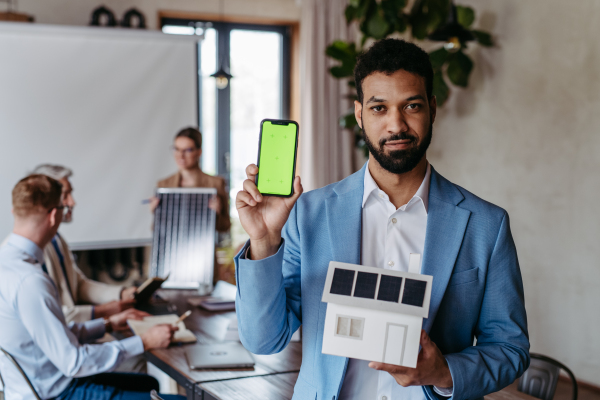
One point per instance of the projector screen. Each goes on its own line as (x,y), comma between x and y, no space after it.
(104,102)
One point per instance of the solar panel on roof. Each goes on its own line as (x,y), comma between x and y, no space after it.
(365,285)
(414,292)
(389,288)
(342,282)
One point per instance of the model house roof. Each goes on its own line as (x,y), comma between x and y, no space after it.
(378,289)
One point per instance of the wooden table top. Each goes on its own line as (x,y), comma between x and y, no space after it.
(210,327)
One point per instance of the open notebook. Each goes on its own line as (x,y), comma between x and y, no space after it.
(183,335)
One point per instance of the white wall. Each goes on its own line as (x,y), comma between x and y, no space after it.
(78,12)
(526,136)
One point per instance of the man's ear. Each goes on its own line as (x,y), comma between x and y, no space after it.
(432,108)
(358,112)
(52,216)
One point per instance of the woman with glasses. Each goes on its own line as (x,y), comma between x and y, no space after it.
(187,149)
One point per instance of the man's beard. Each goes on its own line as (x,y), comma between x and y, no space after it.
(399,161)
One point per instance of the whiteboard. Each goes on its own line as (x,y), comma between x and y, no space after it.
(105,102)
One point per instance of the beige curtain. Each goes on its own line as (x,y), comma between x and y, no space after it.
(326,151)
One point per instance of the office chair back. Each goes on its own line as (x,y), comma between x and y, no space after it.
(16,364)
(541,377)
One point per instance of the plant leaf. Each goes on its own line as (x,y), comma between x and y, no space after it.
(350,13)
(348,121)
(465,16)
(377,26)
(438,58)
(354,3)
(483,38)
(459,69)
(343,51)
(441,91)
(341,71)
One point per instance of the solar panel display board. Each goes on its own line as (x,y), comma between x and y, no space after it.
(183,243)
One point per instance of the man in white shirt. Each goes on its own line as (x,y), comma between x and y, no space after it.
(395,205)
(55,356)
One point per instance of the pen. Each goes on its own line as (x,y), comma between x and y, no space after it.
(146,201)
(183,316)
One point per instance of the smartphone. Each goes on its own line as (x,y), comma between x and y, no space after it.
(277,148)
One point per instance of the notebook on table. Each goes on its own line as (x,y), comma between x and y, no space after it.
(183,335)
(220,355)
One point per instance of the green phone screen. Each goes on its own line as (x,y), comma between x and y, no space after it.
(277,157)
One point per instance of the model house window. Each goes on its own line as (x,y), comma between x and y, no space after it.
(349,326)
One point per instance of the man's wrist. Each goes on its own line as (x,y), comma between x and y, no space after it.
(107,325)
(263,248)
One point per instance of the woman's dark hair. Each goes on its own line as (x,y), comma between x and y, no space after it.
(191,133)
(390,55)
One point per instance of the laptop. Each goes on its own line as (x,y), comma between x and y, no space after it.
(220,355)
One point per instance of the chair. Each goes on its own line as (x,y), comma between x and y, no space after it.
(16,364)
(541,377)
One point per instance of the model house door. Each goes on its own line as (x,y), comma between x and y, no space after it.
(395,338)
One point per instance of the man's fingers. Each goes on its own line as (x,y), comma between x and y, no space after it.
(392,369)
(251,171)
(250,187)
(298,189)
(244,199)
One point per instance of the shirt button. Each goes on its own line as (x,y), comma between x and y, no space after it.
(391,264)
(381,195)
(383,397)
(394,220)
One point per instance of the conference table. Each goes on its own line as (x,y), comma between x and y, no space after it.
(272,378)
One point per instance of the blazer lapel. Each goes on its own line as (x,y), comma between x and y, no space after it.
(344,218)
(446,225)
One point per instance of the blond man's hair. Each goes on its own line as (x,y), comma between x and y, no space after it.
(35,194)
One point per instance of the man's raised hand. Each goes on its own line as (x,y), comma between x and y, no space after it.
(263,217)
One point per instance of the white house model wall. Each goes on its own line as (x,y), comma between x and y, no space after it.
(375,314)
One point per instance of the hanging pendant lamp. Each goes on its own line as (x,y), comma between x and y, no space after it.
(222,76)
(453,33)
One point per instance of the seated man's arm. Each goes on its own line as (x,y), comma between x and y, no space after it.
(502,351)
(41,315)
(90,291)
(268,296)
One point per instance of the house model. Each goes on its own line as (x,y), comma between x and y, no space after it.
(375,314)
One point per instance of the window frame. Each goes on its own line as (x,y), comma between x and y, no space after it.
(223,29)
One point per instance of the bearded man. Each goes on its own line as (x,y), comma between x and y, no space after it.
(395,205)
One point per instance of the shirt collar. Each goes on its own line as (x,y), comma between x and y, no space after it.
(27,246)
(422,193)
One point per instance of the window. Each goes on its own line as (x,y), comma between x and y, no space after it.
(351,327)
(258,58)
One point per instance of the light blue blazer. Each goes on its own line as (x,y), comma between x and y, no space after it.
(477,288)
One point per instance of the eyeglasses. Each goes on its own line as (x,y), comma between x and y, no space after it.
(189,150)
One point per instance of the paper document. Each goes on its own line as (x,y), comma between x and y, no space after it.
(183,335)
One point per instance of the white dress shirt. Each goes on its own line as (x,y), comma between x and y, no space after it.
(34,332)
(389,235)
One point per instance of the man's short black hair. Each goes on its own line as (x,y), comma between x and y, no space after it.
(390,55)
